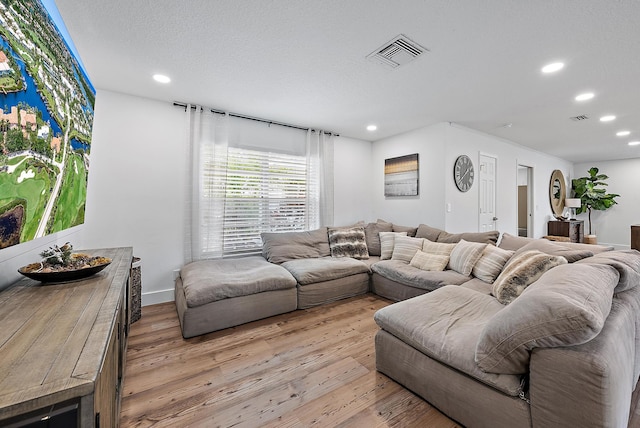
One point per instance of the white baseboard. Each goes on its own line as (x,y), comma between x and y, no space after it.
(155,297)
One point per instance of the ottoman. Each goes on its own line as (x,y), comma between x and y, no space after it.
(216,294)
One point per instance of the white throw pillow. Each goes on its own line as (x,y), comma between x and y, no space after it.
(405,247)
(491,263)
(387,240)
(465,255)
(428,261)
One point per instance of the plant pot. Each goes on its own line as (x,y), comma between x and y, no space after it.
(590,239)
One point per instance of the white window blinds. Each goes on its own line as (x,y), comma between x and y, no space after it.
(264,192)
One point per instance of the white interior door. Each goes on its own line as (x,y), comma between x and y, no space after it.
(487,181)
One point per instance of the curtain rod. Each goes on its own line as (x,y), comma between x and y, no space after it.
(241,116)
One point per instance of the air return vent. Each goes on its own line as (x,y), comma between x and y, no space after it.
(579,118)
(397,52)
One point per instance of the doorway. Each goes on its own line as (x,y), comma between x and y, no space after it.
(525,201)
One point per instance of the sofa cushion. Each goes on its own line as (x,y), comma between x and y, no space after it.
(278,247)
(311,271)
(523,269)
(428,261)
(405,247)
(372,231)
(411,231)
(567,306)
(626,262)
(445,325)
(555,249)
(207,281)
(403,273)
(438,248)
(465,255)
(387,241)
(348,242)
(490,237)
(491,263)
(512,242)
(428,232)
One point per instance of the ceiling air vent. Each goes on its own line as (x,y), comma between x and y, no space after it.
(397,52)
(579,118)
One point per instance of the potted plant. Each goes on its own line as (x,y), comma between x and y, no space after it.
(593,196)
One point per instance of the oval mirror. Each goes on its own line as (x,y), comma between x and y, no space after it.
(557,192)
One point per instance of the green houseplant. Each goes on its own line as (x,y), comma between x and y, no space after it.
(592,193)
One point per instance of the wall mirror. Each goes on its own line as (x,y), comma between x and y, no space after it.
(557,192)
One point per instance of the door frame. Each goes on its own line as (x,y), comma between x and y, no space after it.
(530,196)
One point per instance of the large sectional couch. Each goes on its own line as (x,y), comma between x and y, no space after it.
(495,331)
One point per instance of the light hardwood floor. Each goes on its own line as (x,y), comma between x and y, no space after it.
(312,367)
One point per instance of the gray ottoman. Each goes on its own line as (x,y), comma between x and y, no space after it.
(216,294)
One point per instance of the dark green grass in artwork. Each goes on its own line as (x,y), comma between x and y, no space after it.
(34,190)
(69,209)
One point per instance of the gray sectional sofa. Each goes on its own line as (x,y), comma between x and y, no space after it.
(477,331)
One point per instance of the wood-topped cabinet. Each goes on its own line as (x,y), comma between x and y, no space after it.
(572,229)
(63,348)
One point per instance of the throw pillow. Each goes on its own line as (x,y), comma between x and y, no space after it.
(405,247)
(523,269)
(387,241)
(437,248)
(371,232)
(491,263)
(427,261)
(428,232)
(465,255)
(567,306)
(348,243)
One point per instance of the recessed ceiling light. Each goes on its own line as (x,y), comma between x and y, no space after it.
(161,78)
(634,143)
(550,68)
(585,96)
(623,133)
(372,128)
(608,118)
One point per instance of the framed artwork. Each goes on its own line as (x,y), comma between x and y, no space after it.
(46,118)
(401,176)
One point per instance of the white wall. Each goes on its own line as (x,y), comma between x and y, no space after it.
(613,226)
(428,207)
(438,147)
(137,179)
(137,185)
(352,181)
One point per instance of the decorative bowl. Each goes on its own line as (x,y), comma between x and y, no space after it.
(63,275)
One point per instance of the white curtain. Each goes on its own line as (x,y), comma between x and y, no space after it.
(208,140)
(319,179)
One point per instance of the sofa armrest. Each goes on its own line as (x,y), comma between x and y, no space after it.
(589,384)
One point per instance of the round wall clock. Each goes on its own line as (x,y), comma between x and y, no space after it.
(463,173)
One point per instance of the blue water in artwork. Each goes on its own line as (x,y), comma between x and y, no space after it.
(30,97)
(79,145)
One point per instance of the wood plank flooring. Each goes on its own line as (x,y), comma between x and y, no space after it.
(313,367)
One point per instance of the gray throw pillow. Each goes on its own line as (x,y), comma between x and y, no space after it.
(372,233)
(522,270)
(465,255)
(348,243)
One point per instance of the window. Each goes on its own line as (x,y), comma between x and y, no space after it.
(263,192)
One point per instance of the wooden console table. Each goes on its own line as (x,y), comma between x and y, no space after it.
(573,229)
(63,347)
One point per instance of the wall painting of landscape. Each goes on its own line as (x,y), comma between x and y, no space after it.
(46,117)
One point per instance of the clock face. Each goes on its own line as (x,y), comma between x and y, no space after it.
(463,173)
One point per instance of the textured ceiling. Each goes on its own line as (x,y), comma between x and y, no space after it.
(303,62)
